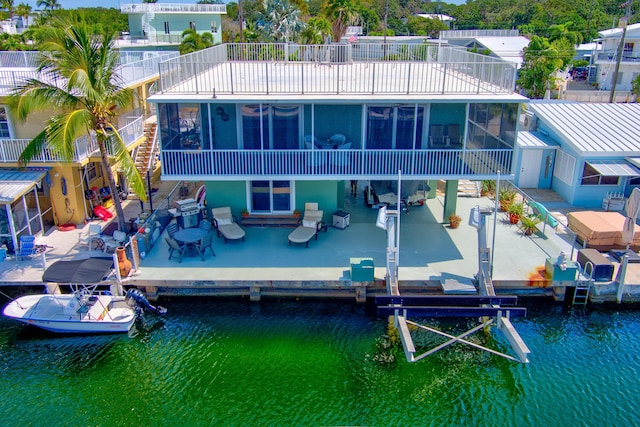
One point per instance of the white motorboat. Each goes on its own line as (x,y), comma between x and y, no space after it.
(86,309)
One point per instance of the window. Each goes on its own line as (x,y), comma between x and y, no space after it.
(90,173)
(565,165)
(275,127)
(590,176)
(271,196)
(166,27)
(4,124)
(394,127)
(192,25)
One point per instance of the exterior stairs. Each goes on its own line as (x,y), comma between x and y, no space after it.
(146,150)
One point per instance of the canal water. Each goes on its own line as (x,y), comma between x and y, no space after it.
(308,363)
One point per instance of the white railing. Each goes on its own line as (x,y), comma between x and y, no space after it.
(85,146)
(372,69)
(133,72)
(173,8)
(611,55)
(467,34)
(313,163)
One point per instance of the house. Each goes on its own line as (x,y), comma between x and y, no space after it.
(269,128)
(583,151)
(606,57)
(162,24)
(445,19)
(50,192)
(507,45)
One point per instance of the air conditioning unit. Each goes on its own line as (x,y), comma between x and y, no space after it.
(529,122)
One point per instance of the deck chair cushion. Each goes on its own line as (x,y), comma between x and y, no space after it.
(308,223)
(224,220)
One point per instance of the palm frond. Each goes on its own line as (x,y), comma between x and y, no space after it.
(63,130)
(33,148)
(126,164)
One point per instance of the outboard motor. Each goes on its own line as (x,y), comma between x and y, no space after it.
(135,298)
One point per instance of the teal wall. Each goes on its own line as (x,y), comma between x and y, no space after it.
(325,193)
(227,193)
(446,114)
(225,132)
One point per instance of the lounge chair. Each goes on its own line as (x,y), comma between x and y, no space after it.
(436,136)
(310,225)
(226,224)
(27,247)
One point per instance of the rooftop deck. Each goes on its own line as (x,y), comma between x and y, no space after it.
(335,70)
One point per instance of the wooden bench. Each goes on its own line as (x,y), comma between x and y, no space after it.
(254,220)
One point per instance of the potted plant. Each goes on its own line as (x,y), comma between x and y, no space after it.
(529,223)
(454,220)
(488,187)
(515,212)
(296,213)
(506,196)
(245,213)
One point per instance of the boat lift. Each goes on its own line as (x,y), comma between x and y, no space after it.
(489,308)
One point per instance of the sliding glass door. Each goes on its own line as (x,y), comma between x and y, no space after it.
(271,197)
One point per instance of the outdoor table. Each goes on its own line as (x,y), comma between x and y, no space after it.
(191,237)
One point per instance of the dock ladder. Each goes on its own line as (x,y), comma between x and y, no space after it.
(583,286)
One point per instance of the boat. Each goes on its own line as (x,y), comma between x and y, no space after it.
(86,309)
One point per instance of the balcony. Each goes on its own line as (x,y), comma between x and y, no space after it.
(339,70)
(85,147)
(333,164)
(173,8)
(609,56)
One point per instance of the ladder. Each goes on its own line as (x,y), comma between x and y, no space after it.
(583,286)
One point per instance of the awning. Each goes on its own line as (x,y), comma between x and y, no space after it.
(16,183)
(614,168)
(88,270)
(635,161)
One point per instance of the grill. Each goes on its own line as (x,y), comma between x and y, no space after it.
(189,210)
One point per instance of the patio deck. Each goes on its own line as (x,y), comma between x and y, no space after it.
(430,253)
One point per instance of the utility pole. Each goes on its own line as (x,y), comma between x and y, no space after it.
(241,19)
(384,42)
(624,21)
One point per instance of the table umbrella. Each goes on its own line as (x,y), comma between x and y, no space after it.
(631,210)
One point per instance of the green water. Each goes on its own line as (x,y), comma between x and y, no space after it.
(310,363)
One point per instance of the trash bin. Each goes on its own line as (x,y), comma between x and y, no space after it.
(362,269)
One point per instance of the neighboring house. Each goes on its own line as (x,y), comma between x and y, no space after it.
(606,57)
(583,151)
(507,45)
(50,192)
(162,24)
(260,124)
(445,19)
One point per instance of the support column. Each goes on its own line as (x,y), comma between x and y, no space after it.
(450,199)
(433,188)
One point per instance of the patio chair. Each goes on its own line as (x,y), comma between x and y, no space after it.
(226,224)
(204,244)
(27,247)
(205,224)
(94,235)
(436,136)
(176,250)
(310,225)
(172,229)
(453,135)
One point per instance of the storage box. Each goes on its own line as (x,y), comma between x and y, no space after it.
(558,274)
(341,219)
(362,269)
(602,267)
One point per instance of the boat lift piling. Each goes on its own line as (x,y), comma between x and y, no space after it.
(491,309)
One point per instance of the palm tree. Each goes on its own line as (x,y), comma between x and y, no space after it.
(192,41)
(48,4)
(341,14)
(281,21)
(315,31)
(78,82)
(8,6)
(24,10)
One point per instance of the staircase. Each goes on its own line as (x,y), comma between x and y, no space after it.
(469,188)
(146,151)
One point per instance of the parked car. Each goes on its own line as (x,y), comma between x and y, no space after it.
(580,73)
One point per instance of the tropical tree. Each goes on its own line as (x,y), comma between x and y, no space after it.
(48,4)
(8,6)
(315,31)
(281,21)
(192,41)
(78,82)
(635,88)
(341,14)
(541,61)
(24,11)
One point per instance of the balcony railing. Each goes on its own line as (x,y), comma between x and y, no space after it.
(610,56)
(364,69)
(247,164)
(173,8)
(10,149)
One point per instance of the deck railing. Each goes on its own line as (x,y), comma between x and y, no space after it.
(173,8)
(10,149)
(242,164)
(374,69)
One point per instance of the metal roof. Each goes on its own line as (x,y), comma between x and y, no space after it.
(506,48)
(15,183)
(614,168)
(593,129)
(528,139)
